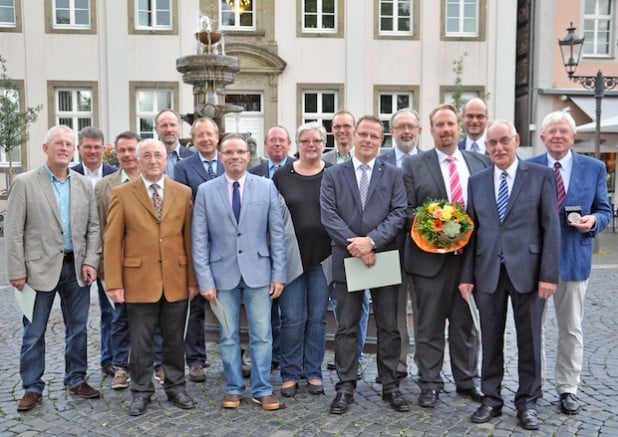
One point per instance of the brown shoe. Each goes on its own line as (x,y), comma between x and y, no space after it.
(85,391)
(268,402)
(29,401)
(196,373)
(121,379)
(231,401)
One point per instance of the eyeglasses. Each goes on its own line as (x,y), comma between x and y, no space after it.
(92,148)
(505,141)
(234,152)
(59,143)
(406,126)
(477,116)
(342,126)
(307,142)
(150,156)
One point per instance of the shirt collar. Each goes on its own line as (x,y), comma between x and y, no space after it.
(52,177)
(511,170)
(357,163)
(457,155)
(160,182)
(565,162)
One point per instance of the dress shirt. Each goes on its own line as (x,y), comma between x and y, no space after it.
(62,193)
(173,158)
(510,179)
(94,176)
(241,187)
(399,155)
(123,176)
(214,162)
(462,170)
(566,169)
(343,158)
(272,164)
(480,142)
(358,172)
(160,183)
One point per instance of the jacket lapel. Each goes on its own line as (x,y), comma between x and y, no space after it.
(376,177)
(140,192)
(521,177)
(433,163)
(48,192)
(350,177)
(198,166)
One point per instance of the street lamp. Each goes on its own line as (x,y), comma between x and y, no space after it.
(571,49)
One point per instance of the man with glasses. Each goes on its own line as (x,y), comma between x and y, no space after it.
(91,147)
(474,121)
(239,251)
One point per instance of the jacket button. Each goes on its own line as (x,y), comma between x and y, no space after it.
(240,251)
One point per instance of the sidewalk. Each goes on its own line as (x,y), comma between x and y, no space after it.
(63,414)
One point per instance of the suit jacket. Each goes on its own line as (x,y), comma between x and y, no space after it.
(263,170)
(462,146)
(343,217)
(423,180)
(528,238)
(107,169)
(184,153)
(253,249)
(588,189)
(33,229)
(191,172)
(147,257)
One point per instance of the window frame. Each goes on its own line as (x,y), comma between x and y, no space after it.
(23,151)
(414,22)
(135,86)
(133,21)
(337,32)
(52,27)
(481,18)
(320,89)
(472,90)
(393,90)
(237,27)
(596,17)
(15,26)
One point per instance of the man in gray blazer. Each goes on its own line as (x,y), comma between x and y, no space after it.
(514,252)
(436,276)
(239,254)
(363,207)
(53,244)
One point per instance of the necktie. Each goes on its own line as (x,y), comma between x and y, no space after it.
(273,169)
(157,203)
(456,190)
(503,196)
(209,170)
(236,200)
(475,147)
(559,185)
(363,186)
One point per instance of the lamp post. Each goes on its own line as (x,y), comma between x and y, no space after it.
(571,49)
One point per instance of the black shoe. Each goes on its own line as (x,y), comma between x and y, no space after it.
(428,398)
(288,392)
(274,366)
(528,419)
(138,406)
(401,375)
(398,402)
(471,393)
(568,403)
(341,403)
(484,413)
(108,370)
(331,365)
(181,400)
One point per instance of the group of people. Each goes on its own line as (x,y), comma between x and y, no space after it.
(175,228)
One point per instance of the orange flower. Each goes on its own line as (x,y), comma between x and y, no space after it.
(437,225)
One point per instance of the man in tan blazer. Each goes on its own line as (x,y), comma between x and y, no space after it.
(53,244)
(148,265)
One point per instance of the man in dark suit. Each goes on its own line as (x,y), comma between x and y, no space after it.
(584,181)
(474,121)
(277,147)
(363,207)
(514,252)
(91,147)
(405,126)
(441,173)
(148,265)
(193,171)
(167,126)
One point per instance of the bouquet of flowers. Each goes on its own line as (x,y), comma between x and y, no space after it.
(441,227)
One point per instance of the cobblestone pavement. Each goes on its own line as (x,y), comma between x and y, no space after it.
(63,414)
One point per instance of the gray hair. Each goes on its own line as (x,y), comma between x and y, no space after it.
(92,133)
(51,133)
(506,123)
(557,117)
(149,141)
(404,111)
(311,126)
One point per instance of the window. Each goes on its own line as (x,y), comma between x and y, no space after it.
(237,14)
(153,14)
(460,95)
(320,106)
(71,14)
(388,104)
(74,108)
(396,17)
(148,103)
(462,18)
(250,120)
(8,16)
(597,28)
(319,16)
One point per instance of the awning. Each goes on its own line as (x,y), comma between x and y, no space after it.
(609,106)
(609,125)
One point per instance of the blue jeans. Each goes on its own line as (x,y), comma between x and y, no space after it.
(362,325)
(107,315)
(74,303)
(303,325)
(257,306)
(121,343)
(195,344)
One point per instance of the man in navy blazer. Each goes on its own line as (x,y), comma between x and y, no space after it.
(361,227)
(475,119)
(239,252)
(585,183)
(513,253)
(194,171)
(167,127)
(91,147)
(436,276)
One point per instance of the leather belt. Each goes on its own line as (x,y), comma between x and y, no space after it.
(68,257)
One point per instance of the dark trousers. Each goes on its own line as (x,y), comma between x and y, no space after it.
(528,315)
(275,321)
(105,330)
(349,306)
(438,299)
(143,318)
(195,344)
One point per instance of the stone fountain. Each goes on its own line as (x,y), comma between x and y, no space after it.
(209,71)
